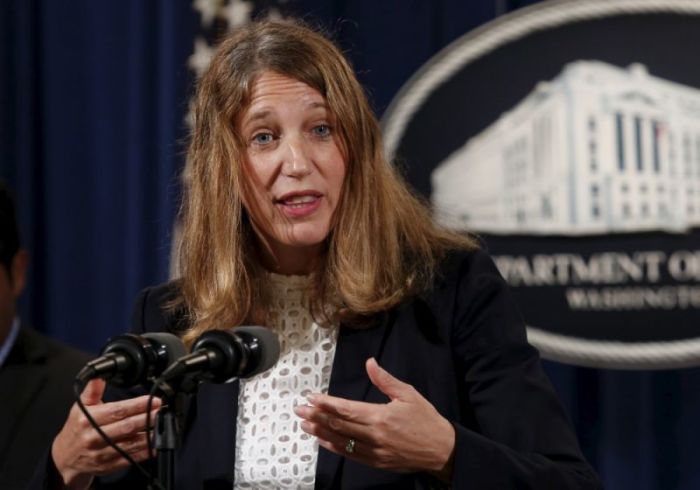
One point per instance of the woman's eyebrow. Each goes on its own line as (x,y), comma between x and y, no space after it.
(317,105)
(264,112)
(256,115)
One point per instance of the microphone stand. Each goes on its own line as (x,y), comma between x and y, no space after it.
(166,430)
(167,424)
(166,443)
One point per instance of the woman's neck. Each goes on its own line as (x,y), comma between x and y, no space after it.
(289,260)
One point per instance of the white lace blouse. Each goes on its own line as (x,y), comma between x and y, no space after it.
(271,449)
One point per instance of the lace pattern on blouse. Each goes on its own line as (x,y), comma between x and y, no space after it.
(271,449)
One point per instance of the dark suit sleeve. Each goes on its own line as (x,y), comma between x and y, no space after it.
(519,436)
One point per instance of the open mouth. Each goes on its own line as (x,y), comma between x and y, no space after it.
(299,204)
(299,201)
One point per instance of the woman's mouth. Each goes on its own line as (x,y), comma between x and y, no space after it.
(299,205)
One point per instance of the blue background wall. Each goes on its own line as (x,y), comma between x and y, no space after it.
(92,102)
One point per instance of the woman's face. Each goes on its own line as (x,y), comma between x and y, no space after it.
(296,167)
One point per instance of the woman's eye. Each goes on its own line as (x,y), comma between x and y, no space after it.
(263,138)
(322,130)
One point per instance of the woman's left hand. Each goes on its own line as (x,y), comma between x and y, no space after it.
(406,434)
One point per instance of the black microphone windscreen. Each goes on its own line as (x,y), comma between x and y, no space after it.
(269,349)
(172,344)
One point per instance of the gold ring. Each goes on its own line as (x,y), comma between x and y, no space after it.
(350,446)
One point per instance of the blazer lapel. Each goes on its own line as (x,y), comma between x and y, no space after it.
(349,380)
(215,428)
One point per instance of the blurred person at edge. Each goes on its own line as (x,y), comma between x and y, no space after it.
(36,372)
(404,362)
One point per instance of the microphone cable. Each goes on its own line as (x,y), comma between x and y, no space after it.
(153,483)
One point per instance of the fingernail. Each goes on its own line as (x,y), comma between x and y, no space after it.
(300,410)
(312,398)
(305,426)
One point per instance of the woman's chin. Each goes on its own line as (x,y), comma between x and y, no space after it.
(304,235)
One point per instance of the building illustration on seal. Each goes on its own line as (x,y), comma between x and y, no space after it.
(598,149)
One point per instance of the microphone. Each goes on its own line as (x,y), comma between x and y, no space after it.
(221,356)
(129,360)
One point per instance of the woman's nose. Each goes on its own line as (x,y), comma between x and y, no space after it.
(296,159)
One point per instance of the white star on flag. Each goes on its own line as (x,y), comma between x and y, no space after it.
(237,12)
(208,9)
(199,60)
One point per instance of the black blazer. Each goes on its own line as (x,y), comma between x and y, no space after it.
(462,346)
(36,394)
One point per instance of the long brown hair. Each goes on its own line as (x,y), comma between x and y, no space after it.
(383,245)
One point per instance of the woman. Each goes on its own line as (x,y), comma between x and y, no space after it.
(293,219)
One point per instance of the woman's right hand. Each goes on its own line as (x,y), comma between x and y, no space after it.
(80,453)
